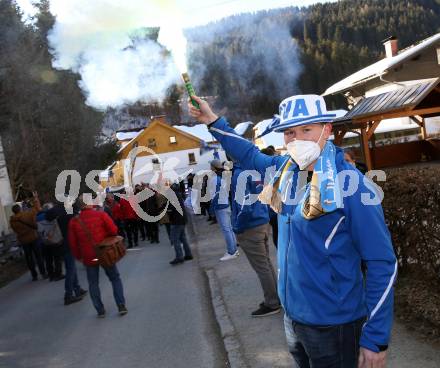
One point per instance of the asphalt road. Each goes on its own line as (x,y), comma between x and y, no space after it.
(169,324)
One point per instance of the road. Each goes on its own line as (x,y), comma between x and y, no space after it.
(169,324)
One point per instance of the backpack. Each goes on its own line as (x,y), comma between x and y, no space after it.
(50,232)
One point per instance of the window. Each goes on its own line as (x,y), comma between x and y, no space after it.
(192,158)
(151,142)
(173,140)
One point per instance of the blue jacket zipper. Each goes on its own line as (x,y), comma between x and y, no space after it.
(285,264)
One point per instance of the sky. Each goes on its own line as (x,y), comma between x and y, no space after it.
(198,12)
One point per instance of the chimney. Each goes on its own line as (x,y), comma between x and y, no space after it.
(391,46)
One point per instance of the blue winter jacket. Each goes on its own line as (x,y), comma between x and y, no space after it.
(246,216)
(319,277)
(220,199)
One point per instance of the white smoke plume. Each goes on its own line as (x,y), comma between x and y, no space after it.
(104,41)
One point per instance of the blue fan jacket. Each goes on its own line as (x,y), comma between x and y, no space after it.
(220,199)
(246,212)
(320,281)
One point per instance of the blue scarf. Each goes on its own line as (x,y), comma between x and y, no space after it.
(323,195)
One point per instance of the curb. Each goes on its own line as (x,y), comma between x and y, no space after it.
(227,329)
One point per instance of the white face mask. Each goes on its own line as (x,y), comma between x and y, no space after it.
(304,153)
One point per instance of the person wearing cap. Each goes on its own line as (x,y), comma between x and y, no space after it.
(251,225)
(220,206)
(333,316)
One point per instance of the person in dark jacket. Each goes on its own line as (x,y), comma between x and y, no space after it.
(73,292)
(25,227)
(86,230)
(273,217)
(51,242)
(205,206)
(177,229)
(142,225)
(151,208)
(250,222)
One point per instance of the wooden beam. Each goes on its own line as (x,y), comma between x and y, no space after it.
(418,120)
(399,114)
(371,128)
(366,149)
(424,135)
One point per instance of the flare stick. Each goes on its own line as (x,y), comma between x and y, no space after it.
(190,89)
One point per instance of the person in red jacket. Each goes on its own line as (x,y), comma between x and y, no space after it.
(113,209)
(86,230)
(130,219)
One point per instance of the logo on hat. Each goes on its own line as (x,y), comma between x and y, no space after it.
(302,110)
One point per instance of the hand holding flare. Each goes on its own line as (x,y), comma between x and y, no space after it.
(203,114)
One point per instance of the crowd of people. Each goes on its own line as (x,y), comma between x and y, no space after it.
(51,237)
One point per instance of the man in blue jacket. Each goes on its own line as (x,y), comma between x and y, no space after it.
(329,222)
(250,221)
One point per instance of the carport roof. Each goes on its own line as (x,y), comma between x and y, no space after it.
(418,99)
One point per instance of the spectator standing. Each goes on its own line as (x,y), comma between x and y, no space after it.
(130,219)
(177,229)
(73,292)
(52,244)
(24,224)
(222,210)
(251,224)
(161,202)
(86,230)
(113,209)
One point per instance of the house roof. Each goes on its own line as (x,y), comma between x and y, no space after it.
(200,131)
(241,128)
(134,125)
(124,136)
(275,139)
(402,99)
(381,67)
(150,126)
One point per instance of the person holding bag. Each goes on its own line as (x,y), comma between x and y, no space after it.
(87,231)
